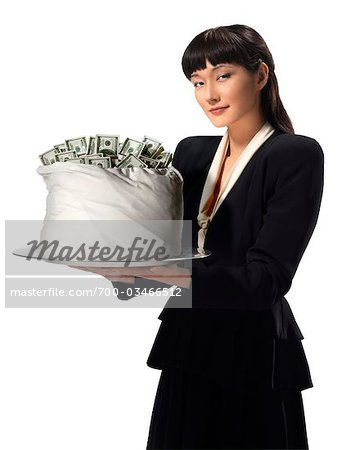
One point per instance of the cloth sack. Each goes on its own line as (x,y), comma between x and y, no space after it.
(113,205)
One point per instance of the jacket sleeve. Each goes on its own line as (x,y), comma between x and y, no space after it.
(290,217)
(129,289)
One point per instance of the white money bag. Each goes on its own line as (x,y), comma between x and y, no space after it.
(113,205)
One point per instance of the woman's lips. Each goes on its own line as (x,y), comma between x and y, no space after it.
(219,110)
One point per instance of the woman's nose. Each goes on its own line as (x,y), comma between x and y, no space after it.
(211,93)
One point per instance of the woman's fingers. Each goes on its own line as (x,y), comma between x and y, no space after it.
(169,274)
(123,274)
(172,274)
(108,273)
(119,271)
(171,270)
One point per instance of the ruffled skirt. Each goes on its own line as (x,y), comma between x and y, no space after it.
(241,360)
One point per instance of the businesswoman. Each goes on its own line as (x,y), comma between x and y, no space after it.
(233,367)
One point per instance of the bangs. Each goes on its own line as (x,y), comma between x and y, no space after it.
(217,45)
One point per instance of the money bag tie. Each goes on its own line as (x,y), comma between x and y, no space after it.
(203,221)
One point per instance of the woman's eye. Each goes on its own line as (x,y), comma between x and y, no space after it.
(226,75)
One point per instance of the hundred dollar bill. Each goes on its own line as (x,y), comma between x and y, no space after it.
(158,152)
(107,144)
(114,160)
(63,157)
(152,163)
(131,146)
(79,160)
(163,159)
(48,157)
(60,148)
(92,145)
(78,145)
(103,162)
(131,161)
(88,158)
(151,146)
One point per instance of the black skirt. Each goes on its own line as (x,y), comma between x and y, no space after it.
(192,411)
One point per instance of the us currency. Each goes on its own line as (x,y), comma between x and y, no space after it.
(106,151)
(131,146)
(103,162)
(63,157)
(48,157)
(92,145)
(107,144)
(152,146)
(78,145)
(131,161)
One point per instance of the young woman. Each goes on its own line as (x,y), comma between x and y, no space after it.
(233,366)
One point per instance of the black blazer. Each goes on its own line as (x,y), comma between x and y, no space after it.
(257,239)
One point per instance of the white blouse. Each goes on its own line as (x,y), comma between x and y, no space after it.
(254,144)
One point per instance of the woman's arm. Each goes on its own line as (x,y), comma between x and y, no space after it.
(288,224)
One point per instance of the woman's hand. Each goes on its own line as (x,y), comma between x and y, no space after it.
(123,274)
(168,274)
(171,274)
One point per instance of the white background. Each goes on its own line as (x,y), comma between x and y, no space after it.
(77,378)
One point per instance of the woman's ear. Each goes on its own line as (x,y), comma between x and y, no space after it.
(263,75)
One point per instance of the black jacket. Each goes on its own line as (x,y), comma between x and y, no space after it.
(241,329)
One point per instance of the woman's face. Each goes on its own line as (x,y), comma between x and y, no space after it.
(231,87)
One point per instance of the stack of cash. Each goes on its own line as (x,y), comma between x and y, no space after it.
(107,151)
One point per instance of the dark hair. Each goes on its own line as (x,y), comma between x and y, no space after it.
(239,44)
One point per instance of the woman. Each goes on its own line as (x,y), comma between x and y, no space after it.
(233,366)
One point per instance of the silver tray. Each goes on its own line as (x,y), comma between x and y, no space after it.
(185,255)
